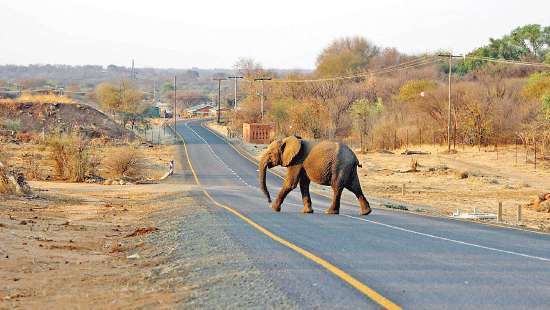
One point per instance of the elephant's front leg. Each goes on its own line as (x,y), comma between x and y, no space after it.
(290,183)
(304,189)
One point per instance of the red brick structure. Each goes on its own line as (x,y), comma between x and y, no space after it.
(257,133)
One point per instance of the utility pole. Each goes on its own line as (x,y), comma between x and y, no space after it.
(450,56)
(219,79)
(449,116)
(154,91)
(262,95)
(235,78)
(175,103)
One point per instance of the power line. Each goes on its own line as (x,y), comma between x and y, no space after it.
(405,65)
(498,60)
(508,61)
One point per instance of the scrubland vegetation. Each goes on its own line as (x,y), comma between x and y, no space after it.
(379,98)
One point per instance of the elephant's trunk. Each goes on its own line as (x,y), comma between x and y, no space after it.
(262,168)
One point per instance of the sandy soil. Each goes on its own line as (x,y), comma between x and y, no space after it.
(72,246)
(156,246)
(469,180)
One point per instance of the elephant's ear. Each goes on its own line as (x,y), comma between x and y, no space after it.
(290,148)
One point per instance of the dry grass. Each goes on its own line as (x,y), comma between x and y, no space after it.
(6,186)
(39,99)
(71,157)
(126,162)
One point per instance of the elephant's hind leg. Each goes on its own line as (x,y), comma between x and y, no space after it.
(335,206)
(306,198)
(355,187)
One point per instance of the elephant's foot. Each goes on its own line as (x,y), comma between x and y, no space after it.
(365,211)
(276,208)
(308,209)
(332,211)
(365,206)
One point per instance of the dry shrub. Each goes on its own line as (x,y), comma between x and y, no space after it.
(11,124)
(462,174)
(24,137)
(127,162)
(6,185)
(414,165)
(12,183)
(71,156)
(32,167)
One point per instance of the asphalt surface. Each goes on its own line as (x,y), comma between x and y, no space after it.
(415,261)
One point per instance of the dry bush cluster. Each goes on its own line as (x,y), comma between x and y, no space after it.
(490,106)
(125,163)
(70,154)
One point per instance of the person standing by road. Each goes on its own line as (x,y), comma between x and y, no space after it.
(171,168)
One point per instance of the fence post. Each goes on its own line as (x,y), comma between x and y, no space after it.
(518,215)
(499,213)
(535,143)
(403,189)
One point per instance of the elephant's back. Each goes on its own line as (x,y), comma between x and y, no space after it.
(325,159)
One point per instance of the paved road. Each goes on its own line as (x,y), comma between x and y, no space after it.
(414,261)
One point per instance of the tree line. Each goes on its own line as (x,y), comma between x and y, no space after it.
(403,99)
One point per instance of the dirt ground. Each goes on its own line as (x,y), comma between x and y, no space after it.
(155,246)
(468,180)
(84,246)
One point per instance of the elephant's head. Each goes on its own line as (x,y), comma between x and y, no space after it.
(280,152)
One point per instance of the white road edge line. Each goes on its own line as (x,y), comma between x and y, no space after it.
(400,228)
(448,239)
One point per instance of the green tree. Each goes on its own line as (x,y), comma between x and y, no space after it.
(415,90)
(279,113)
(167,87)
(346,56)
(108,96)
(537,86)
(531,42)
(363,112)
(124,99)
(546,106)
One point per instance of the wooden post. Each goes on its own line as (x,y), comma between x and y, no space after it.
(496,147)
(526,150)
(499,213)
(403,189)
(535,144)
(518,215)
(516,140)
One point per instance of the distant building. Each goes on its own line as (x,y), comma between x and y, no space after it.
(165,109)
(201,110)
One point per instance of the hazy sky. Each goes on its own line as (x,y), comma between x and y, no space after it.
(214,34)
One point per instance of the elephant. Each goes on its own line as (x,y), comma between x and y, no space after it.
(327,163)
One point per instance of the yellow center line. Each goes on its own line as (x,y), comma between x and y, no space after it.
(361,287)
